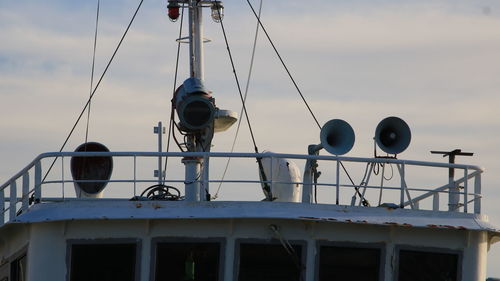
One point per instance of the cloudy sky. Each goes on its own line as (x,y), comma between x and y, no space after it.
(433,63)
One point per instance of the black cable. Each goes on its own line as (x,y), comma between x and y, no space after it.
(175,138)
(172,114)
(95,89)
(284,65)
(267,189)
(160,192)
(92,71)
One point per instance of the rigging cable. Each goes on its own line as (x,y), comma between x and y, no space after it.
(92,71)
(266,187)
(284,65)
(300,93)
(91,85)
(95,89)
(244,101)
(172,114)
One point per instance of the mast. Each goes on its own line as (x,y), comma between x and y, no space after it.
(196,39)
(192,101)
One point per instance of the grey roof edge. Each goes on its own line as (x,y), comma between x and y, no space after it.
(124,209)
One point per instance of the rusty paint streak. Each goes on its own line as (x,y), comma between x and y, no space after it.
(447,226)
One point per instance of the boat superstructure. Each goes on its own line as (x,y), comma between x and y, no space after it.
(57,233)
(423,222)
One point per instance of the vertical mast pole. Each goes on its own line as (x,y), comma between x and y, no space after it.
(196,39)
(193,165)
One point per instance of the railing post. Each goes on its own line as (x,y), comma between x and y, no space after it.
(26,192)
(337,193)
(62,176)
(477,194)
(205,188)
(403,185)
(13,201)
(2,207)
(466,189)
(307,194)
(435,201)
(38,182)
(135,175)
(270,178)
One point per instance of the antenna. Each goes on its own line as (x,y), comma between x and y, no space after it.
(454,189)
(198,116)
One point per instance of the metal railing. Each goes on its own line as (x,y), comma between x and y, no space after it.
(26,187)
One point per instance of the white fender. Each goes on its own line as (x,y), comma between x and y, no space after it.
(284,172)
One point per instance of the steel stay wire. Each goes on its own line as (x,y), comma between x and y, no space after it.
(284,65)
(266,188)
(300,92)
(92,71)
(95,89)
(244,100)
(91,83)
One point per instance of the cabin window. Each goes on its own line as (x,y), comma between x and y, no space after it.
(428,265)
(337,262)
(18,269)
(188,260)
(270,262)
(103,262)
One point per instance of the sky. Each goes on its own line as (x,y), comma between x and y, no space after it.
(433,63)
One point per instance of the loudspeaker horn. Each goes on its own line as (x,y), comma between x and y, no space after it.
(393,135)
(337,137)
(91,168)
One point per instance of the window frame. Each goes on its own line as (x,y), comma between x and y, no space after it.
(105,241)
(398,248)
(239,241)
(23,252)
(158,240)
(5,271)
(380,246)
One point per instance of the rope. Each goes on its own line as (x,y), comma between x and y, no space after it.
(244,101)
(284,65)
(95,89)
(92,72)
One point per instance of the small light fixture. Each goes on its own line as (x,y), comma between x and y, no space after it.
(173,10)
(217,11)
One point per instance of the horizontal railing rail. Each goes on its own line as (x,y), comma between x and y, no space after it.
(26,188)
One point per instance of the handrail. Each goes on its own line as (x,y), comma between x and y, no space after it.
(27,188)
(239,155)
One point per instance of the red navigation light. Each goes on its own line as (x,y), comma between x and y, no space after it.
(173,10)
